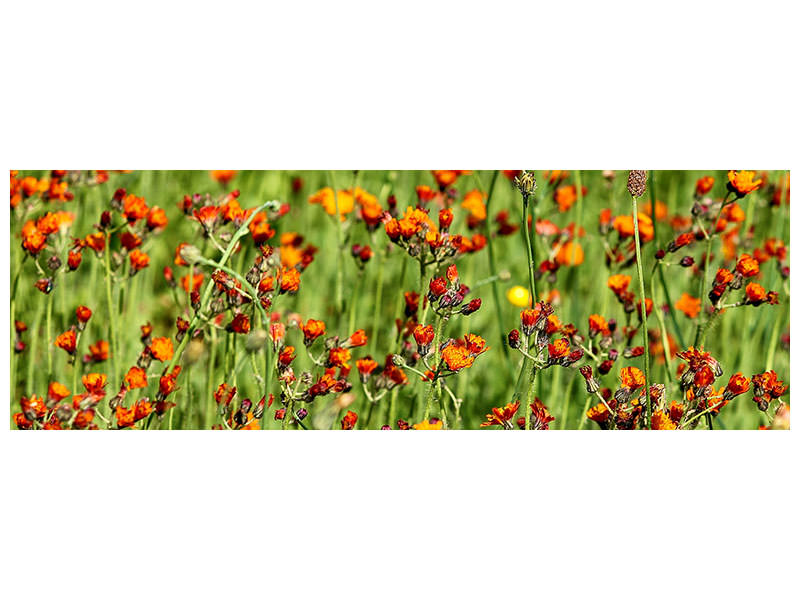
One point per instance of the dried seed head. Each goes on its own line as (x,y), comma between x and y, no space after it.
(637,183)
(526,184)
(191,254)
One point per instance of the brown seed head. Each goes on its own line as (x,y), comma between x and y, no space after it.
(637,183)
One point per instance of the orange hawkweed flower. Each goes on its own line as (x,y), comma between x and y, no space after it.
(136,377)
(624,227)
(366,366)
(260,229)
(567,195)
(661,421)
(737,384)
(359,338)
(67,341)
(95,241)
(312,330)
(157,218)
(619,283)
(688,305)
(747,266)
(570,254)
(631,377)
(168,382)
(286,356)
(134,208)
(84,313)
(474,203)
(558,349)
(192,281)
(139,260)
(755,294)
(206,216)
(598,413)
(33,407)
(98,352)
(703,185)
(161,348)
(338,357)
(57,392)
(240,323)
(33,240)
(598,324)
(457,357)
(743,182)
(502,416)
(290,280)
(223,176)
(342,202)
(95,383)
(349,420)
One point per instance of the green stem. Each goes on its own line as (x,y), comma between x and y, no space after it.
(644,312)
(698,342)
(434,384)
(495,287)
(49,337)
(340,247)
(531,395)
(376,311)
(528,247)
(112,318)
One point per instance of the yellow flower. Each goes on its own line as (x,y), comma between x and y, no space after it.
(426,425)
(519,296)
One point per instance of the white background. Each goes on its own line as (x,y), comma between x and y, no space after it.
(373,85)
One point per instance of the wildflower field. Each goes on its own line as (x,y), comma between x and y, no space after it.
(399,300)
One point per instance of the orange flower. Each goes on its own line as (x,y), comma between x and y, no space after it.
(570,254)
(631,377)
(598,324)
(625,227)
(95,241)
(342,202)
(312,330)
(57,392)
(157,218)
(457,357)
(338,357)
(366,366)
(206,216)
(743,182)
(33,240)
(619,283)
(661,210)
(474,203)
(688,305)
(446,178)
(98,352)
(755,293)
(290,280)
(747,266)
(558,349)
(501,416)
(195,281)
(260,229)
(737,384)
(567,195)
(136,377)
(661,421)
(704,185)
(94,383)
(423,334)
(359,338)
(83,313)
(222,176)
(161,348)
(349,420)
(67,341)
(139,260)
(134,208)
(598,413)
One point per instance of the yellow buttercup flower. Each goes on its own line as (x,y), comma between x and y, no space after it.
(519,296)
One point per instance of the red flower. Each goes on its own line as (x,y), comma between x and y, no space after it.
(349,420)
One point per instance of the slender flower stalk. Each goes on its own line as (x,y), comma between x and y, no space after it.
(112,318)
(702,328)
(636,187)
(437,338)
